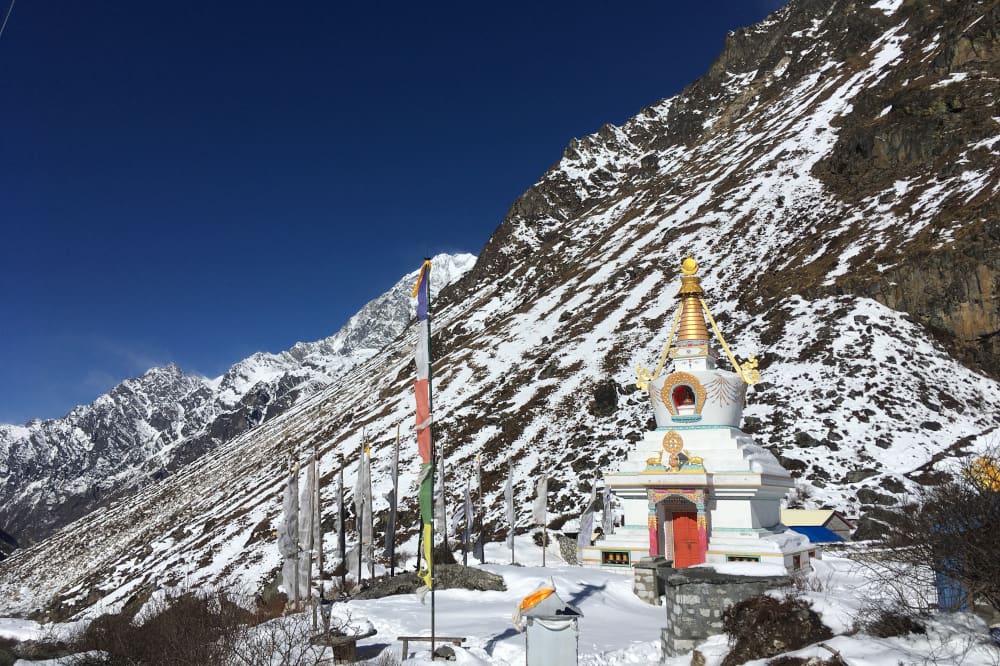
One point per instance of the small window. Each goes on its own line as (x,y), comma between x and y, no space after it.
(812,554)
(796,561)
(742,558)
(618,558)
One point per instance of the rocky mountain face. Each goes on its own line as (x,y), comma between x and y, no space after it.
(54,471)
(835,173)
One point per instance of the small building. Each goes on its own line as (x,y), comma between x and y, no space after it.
(820,525)
(697,488)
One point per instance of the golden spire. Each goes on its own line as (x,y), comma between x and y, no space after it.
(692,321)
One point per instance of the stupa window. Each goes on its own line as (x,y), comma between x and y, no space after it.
(684,399)
(742,558)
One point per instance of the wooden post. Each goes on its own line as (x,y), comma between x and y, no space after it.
(312,533)
(341,536)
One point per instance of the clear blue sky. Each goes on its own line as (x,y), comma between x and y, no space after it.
(194,181)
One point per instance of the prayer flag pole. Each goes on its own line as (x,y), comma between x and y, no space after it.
(508,493)
(424,424)
(341,536)
(390,530)
(479,547)
(359,504)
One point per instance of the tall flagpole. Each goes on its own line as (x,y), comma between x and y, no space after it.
(298,546)
(510,508)
(371,513)
(341,536)
(479,546)
(545,521)
(360,519)
(318,530)
(430,431)
(391,526)
(311,475)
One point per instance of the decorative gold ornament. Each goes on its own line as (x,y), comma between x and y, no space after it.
(677,378)
(692,322)
(749,371)
(750,378)
(689,266)
(672,442)
(643,375)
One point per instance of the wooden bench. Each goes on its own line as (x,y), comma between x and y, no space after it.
(455,640)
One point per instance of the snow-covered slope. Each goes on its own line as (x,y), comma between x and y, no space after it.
(835,173)
(54,471)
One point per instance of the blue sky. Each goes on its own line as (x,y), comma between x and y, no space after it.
(192,182)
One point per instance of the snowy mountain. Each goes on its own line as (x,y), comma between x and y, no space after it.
(54,471)
(835,174)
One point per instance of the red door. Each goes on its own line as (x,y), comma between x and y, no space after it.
(687,546)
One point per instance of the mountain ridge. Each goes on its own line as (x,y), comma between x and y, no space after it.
(149,426)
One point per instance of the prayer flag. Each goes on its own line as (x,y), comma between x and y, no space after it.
(341,532)
(539,510)
(468,516)
(306,531)
(456,519)
(608,515)
(363,507)
(440,509)
(584,538)
(288,535)
(422,391)
(477,548)
(390,528)
(508,496)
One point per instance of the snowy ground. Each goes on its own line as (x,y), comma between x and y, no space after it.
(617,628)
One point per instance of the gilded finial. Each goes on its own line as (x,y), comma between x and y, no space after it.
(689,266)
(643,375)
(749,371)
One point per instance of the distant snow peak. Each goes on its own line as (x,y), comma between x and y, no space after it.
(166,418)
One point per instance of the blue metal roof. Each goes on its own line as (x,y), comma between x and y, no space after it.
(817,534)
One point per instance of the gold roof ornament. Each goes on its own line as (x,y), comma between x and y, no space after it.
(689,325)
(692,321)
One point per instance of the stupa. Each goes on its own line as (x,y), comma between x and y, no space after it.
(698,489)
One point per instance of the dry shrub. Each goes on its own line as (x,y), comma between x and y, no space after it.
(189,629)
(889,623)
(7,654)
(950,530)
(787,660)
(763,626)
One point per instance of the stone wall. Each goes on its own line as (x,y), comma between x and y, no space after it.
(648,586)
(696,598)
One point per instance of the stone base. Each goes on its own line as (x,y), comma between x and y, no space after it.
(647,585)
(696,599)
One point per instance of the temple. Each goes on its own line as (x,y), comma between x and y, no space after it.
(697,488)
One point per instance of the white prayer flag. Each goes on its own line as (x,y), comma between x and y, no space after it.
(584,538)
(539,510)
(468,516)
(508,496)
(306,530)
(607,515)
(288,535)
